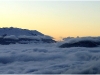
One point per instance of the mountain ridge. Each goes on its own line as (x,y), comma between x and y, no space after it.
(19,31)
(23,36)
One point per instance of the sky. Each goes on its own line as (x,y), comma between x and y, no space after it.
(55,18)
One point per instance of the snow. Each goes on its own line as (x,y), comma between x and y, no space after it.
(19,31)
(10,37)
(18,35)
(38,37)
(43,58)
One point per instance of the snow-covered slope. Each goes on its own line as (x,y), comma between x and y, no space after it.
(23,36)
(18,32)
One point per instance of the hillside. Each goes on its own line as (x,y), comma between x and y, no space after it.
(18,32)
(23,36)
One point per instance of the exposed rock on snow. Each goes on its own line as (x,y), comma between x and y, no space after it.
(80,44)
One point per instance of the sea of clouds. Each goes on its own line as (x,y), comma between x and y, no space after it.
(43,58)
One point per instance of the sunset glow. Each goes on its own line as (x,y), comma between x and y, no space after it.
(54,18)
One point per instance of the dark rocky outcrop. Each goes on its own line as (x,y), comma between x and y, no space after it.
(85,43)
(7,41)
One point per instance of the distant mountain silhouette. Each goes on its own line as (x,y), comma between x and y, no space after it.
(22,36)
(85,43)
(80,42)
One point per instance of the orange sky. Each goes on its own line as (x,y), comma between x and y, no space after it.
(54,18)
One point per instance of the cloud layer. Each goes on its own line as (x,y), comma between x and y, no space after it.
(48,59)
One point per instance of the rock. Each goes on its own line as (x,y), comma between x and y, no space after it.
(85,43)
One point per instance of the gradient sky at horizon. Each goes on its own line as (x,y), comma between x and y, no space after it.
(54,18)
